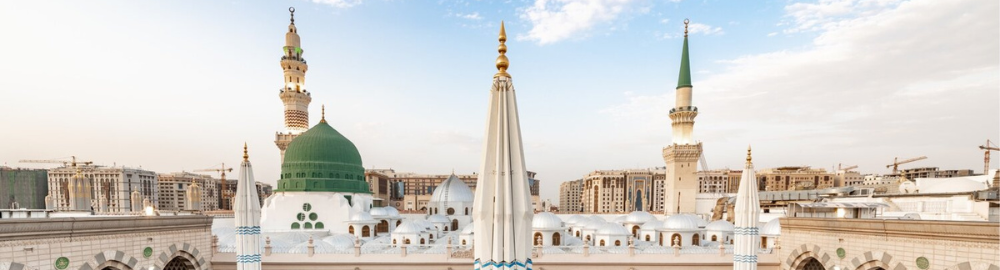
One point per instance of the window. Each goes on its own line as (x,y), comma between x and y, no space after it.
(602,243)
(295,225)
(618,243)
(308,226)
(319,225)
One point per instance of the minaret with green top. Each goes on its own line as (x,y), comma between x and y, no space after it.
(682,155)
(293,93)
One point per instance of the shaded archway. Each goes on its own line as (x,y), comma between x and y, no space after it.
(365,231)
(556,239)
(873,265)
(695,240)
(811,264)
(635,230)
(383,226)
(179,263)
(454,224)
(676,240)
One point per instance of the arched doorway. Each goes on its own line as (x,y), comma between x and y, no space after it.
(179,263)
(454,224)
(538,239)
(811,264)
(602,242)
(350,229)
(556,239)
(635,230)
(675,240)
(365,231)
(695,240)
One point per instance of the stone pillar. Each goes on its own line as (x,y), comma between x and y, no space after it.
(447,248)
(357,247)
(677,248)
(402,250)
(631,247)
(267,246)
(722,250)
(215,244)
(586,249)
(312,248)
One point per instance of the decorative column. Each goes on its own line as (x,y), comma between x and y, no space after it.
(247,211)
(502,211)
(747,212)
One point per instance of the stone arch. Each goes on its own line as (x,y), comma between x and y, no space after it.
(799,255)
(113,259)
(874,260)
(113,265)
(873,265)
(556,239)
(538,239)
(185,251)
(365,231)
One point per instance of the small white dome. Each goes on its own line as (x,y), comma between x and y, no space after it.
(468,229)
(546,220)
(681,222)
(409,227)
(772,228)
(378,212)
(594,224)
(598,219)
(719,225)
(362,216)
(612,229)
(438,219)
(340,241)
(452,190)
(652,225)
(619,219)
(639,217)
(574,219)
(392,211)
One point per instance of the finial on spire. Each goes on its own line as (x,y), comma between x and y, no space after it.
(686,21)
(322,113)
(246,157)
(502,62)
(748,154)
(291,10)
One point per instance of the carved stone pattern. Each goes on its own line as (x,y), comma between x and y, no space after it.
(296,119)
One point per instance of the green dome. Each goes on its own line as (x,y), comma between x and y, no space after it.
(321,159)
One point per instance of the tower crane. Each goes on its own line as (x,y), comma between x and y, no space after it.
(989,146)
(71,163)
(896,162)
(223,195)
(848,168)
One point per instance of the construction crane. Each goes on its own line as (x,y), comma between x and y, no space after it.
(222,175)
(896,162)
(71,163)
(989,146)
(848,168)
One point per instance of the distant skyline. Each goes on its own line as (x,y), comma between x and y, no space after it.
(171,86)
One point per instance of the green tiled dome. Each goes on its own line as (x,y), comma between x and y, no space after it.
(321,159)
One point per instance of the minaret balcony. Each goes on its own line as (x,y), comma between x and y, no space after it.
(282,91)
(684,109)
(300,59)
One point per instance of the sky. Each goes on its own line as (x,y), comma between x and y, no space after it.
(181,85)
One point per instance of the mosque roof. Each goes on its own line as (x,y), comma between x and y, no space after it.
(387,211)
(453,190)
(438,219)
(546,220)
(639,217)
(772,227)
(322,159)
(681,222)
(409,227)
(612,229)
(652,225)
(720,225)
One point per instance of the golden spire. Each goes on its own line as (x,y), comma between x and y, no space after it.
(322,113)
(502,62)
(246,157)
(686,21)
(291,10)
(748,154)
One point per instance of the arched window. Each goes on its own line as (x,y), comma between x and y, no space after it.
(763,242)
(466,211)
(577,233)
(319,225)
(454,224)
(383,226)
(399,222)
(675,239)
(602,242)
(661,239)
(350,229)
(647,238)
(556,239)
(538,239)
(406,241)
(463,242)
(365,231)
(695,240)
(422,241)
(714,238)
(618,243)
(587,238)
(295,225)
(635,231)
(393,241)
(451,211)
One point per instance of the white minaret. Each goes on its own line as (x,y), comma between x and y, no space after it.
(293,93)
(747,213)
(681,157)
(502,209)
(247,210)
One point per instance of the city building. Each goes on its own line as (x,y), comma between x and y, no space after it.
(23,188)
(621,191)
(930,172)
(845,178)
(719,181)
(570,193)
(110,188)
(412,191)
(795,178)
(173,187)
(681,157)
(381,187)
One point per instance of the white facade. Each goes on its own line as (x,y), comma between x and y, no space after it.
(312,211)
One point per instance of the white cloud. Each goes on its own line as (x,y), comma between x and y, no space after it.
(471,16)
(698,28)
(872,85)
(828,14)
(556,20)
(771,34)
(338,3)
